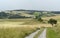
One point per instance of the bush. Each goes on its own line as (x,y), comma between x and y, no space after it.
(40,19)
(52,21)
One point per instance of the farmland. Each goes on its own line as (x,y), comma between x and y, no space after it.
(12,27)
(19,28)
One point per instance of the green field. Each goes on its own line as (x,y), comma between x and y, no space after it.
(51,33)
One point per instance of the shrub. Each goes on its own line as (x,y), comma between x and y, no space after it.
(52,21)
(40,19)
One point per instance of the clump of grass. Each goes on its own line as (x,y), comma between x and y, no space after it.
(16,32)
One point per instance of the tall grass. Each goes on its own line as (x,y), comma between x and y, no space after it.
(16,32)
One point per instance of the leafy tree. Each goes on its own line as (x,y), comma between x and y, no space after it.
(37,14)
(52,21)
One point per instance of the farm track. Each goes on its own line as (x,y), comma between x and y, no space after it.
(33,34)
(43,34)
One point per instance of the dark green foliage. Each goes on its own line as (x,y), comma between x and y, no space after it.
(36,17)
(11,14)
(3,15)
(52,21)
(40,19)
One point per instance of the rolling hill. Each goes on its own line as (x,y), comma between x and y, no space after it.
(24,13)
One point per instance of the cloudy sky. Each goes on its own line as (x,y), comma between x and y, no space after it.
(50,5)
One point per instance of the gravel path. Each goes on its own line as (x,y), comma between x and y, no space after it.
(43,34)
(33,34)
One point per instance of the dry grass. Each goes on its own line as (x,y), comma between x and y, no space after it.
(7,23)
(17,32)
(14,28)
(54,17)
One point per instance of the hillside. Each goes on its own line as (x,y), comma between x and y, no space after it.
(23,13)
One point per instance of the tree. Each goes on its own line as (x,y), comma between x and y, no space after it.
(52,21)
(37,14)
(40,19)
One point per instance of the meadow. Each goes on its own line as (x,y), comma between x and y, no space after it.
(17,32)
(20,28)
(14,28)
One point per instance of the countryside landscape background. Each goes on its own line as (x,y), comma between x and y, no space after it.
(29,18)
(22,23)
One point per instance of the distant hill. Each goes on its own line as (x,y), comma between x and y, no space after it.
(24,13)
(56,12)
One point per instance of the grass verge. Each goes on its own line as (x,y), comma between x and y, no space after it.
(51,33)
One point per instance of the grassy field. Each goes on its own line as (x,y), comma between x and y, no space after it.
(54,32)
(13,28)
(51,33)
(19,28)
(17,32)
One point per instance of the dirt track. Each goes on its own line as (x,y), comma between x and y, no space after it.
(33,34)
(43,34)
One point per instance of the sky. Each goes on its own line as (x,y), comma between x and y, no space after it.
(49,5)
